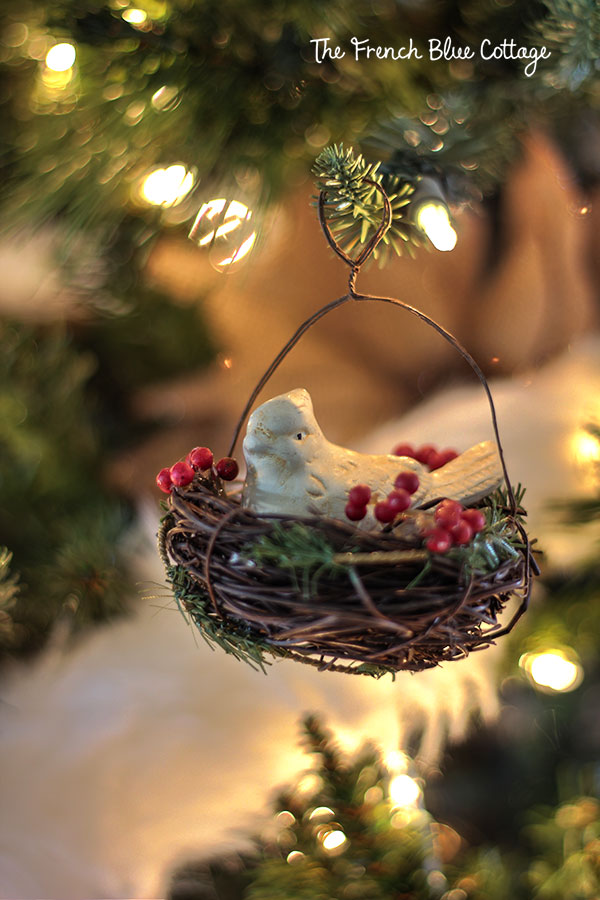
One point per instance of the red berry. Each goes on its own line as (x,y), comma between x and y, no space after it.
(399,500)
(163,480)
(461,533)
(181,474)
(355,512)
(447,503)
(384,511)
(404,450)
(437,460)
(423,453)
(200,458)
(439,541)
(475,518)
(227,468)
(447,513)
(359,495)
(407,481)
(434,461)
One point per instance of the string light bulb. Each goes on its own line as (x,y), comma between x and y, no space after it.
(224,227)
(166,187)
(396,761)
(134,16)
(404,791)
(585,447)
(433,219)
(430,214)
(553,670)
(61,57)
(334,840)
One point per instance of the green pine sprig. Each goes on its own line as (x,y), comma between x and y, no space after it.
(301,551)
(354,205)
(498,541)
(571,31)
(193,602)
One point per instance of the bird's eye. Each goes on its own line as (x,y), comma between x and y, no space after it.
(299,436)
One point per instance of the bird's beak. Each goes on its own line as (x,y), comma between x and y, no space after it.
(258,440)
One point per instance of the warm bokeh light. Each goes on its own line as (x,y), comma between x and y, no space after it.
(321,812)
(242,251)
(216,222)
(56,82)
(236,212)
(295,856)
(134,16)
(165,98)
(333,840)
(396,761)
(285,818)
(167,187)
(552,669)
(309,784)
(585,447)
(404,791)
(373,795)
(61,57)
(432,218)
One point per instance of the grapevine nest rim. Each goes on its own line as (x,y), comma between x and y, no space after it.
(325,593)
(378,604)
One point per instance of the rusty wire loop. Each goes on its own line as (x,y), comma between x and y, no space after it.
(370,247)
(441,619)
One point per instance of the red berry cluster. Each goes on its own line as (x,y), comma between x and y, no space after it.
(427,454)
(398,500)
(454,525)
(198,459)
(358,499)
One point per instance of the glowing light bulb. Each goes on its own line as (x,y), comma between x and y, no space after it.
(396,761)
(134,16)
(552,669)
(218,225)
(61,57)
(243,250)
(404,791)
(433,219)
(333,840)
(167,187)
(585,447)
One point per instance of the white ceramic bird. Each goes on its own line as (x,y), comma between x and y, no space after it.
(292,468)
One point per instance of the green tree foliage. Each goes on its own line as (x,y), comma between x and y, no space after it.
(394,852)
(60,522)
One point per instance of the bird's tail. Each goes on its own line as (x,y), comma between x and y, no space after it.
(471,476)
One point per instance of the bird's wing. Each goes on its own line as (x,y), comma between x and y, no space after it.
(470,477)
(316,486)
(378,471)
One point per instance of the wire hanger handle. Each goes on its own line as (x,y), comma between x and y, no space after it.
(352,297)
(386,221)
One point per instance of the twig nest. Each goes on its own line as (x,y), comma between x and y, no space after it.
(322,592)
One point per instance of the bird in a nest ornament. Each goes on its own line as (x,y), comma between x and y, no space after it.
(292,468)
(346,561)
